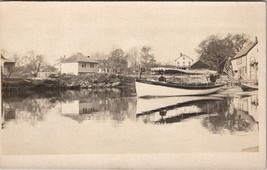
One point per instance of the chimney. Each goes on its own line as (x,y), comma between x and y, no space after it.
(256,39)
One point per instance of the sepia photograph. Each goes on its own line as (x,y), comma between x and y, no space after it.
(133,85)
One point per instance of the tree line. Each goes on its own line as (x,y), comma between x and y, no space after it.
(215,50)
(134,59)
(119,61)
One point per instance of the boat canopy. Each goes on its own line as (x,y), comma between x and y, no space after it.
(181,71)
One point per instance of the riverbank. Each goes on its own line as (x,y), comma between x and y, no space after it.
(64,81)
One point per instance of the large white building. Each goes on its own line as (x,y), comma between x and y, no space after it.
(183,61)
(245,63)
(79,64)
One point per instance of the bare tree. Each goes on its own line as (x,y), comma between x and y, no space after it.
(34,62)
(99,55)
(117,61)
(133,57)
(147,57)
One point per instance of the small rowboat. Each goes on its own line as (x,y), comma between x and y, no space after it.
(247,87)
(146,88)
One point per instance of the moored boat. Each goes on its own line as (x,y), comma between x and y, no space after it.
(248,87)
(157,88)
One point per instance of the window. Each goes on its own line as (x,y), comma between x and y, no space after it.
(178,63)
(83,64)
(91,65)
(189,63)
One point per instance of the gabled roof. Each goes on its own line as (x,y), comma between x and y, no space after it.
(183,55)
(6,60)
(245,50)
(200,61)
(79,57)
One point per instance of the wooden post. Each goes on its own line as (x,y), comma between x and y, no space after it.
(2,110)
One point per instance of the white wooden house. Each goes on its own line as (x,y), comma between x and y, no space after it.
(183,61)
(79,64)
(245,63)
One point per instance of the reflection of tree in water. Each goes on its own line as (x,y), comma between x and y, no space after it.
(90,94)
(226,118)
(31,108)
(121,108)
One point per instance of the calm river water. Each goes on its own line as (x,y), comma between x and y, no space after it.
(115,121)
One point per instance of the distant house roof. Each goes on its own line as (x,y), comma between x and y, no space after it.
(79,57)
(6,60)
(200,65)
(183,55)
(245,50)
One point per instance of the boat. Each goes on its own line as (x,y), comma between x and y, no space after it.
(248,87)
(146,88)
(166,70)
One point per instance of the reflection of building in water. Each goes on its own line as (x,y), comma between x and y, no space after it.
(239,114)
(247,104)
(76,107)
(117,109)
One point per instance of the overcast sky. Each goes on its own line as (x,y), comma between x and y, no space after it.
(57,29)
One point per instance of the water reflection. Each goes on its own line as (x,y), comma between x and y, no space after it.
(217,114)
(180,109)
(114,104)
(31,109)
(237,114)
(117,109)
(97,121)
